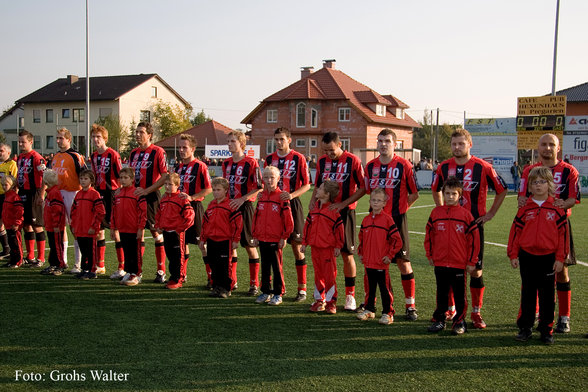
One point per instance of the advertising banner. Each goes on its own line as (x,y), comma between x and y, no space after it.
(576,123)
(542,106)
(575,150)
(222,151)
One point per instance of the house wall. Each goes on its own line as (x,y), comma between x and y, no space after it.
(8,127)
(577,109)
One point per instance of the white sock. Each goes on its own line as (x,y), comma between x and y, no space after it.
(77,254)
(65,243)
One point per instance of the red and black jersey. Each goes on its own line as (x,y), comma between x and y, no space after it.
(452,238)
(345,170)
(539,230)
(243,176)
(273,217)
(149,165)
(476,176)
(378,237)
(221,223)
(106,167)
(129,211)
(398,180)
(194,177)
(87,212)
(565,178)
(13,210)
(54,211)
(174,213)
(31,166)
(293,170)
(323,228)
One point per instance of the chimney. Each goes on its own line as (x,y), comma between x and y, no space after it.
(305,72)
(71,79)
(329,63)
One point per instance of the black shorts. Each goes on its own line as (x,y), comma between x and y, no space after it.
(480,262)
(571,259)
(152,200)
(348,217)
(107,198)
(193,232)
(248,213)
(33,212)
(402,225)
(298,216)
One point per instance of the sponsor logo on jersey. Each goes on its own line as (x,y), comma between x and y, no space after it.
(469,186)
(389,183)
(338,177)
(233,179)
(550,216)
(441,226)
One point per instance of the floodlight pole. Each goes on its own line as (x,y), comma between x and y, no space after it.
(87,81)
(555,49)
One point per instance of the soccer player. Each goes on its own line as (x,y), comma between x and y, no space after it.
(294,181)
(244,185)
(476,176)
(395,175)
(567,195)
(13,216)
(345,169)
(106,165)
(31,191)
(7,167)
(194,186)
(148,161)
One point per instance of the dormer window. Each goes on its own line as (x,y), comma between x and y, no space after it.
(272,116)
(380,110)
(400,113)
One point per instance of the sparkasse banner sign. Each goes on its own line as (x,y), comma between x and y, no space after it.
(221,151)
(542,106)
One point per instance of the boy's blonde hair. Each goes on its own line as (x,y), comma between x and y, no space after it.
(378,191)
(128,171)
(174,178)
(331,188)
(271,169)
(66,133)
(240,136)
(220,181)
(13,185)
(50,177)
(543,173)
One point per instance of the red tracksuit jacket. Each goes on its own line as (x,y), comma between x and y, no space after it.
(452,239)
(221,223)
(539,231)
(54,211)
(174,213)
(273,218)
(87,212)
(323,228)
(129,211)
(378,237)
(13,210)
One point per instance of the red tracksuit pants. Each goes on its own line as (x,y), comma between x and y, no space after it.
(324,263)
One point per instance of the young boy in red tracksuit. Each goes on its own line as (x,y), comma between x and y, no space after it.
(452,244)
(272,226)
(221,232)
(174,216)
(539,244)
(129,215)
(54,216)
(323,231)
(87,213)
(379,242)
(12,216)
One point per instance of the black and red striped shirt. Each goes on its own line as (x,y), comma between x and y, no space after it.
(565,178)
(476,175)
(149,165)
(243,176)
(194,177)
(106,167)
(293,170)
(345,170)
(398,180)
(31,166)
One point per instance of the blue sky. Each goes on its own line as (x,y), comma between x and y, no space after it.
(226,56)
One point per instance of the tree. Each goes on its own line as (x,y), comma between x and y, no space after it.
(200,118)
(423,138)
(171,119)
(117,132)
(130,142)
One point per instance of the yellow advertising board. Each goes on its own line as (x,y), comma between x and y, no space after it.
(527,140)
(542,106)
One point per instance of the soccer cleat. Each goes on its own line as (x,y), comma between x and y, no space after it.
(12,265)
(317,306)
(437,326)
(118,274)
(89,275)
(5,254)
(331,307)
(301,296)
(263,298)
(37,263)
(350,303)
(173,285)
(80,274)
(48,270)
(159,277)
(133,280)
(547,338)
(563,324)
(75,270)
(224,293)
(411,314)
(100,270)
(365,315)
(57,272)
(524,334)
(360,308)
(386,319)
(276,300)
(450,314)
(214,292)
(235,287)
(208,284)
(477,320)
(125,278)
(252,290)
(29,262)
(459,329)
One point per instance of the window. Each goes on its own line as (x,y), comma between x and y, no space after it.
(65,113)
(313,118)
(381,110)
(272,116)
(270,146)
(399,145)
(301,115)
(50,142)
(399,113)
(153,92)
(36,116)
(37,142)
(345,144)
(145,116)
(104,112)
(344,114)
(78,115)
(20,125)
(313,142)
(301,143)
(49,115)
